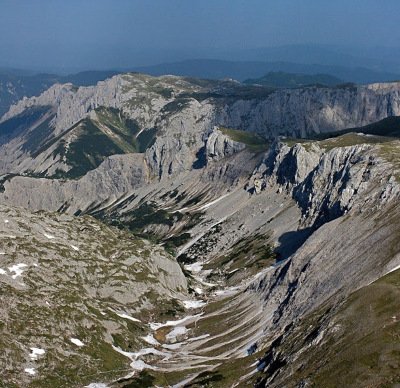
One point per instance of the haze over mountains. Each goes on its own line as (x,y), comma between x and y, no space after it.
(296,59)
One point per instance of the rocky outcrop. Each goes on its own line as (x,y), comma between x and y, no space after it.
(220,146)
(323,183)
(301,112)
(114,178)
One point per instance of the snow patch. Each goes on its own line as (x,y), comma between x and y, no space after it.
(195,267)
(75,248)
(227,292)
(178,330)
(172,346)
(199,338)
(36,352)
(156,326)
(395,268)
(193,304)
(151,340)
(134,357)
(139,365)
(49,236)
(17,269)
(30,371)
(77,342)
(2,272)
(96,385)
(207,205)
(126,316)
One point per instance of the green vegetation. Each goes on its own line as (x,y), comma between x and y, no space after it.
(231,93)
(110,133)
(147,214)
(388,127)
(173,242)
(384,131)
(248,255)
(253,141)
(281,79)
(351,139)
(390,151)
(143,380)
(176,105)
(355,344)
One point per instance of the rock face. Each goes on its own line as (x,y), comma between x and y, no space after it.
(300,112)
(220,146)
(324,184)
(183,112)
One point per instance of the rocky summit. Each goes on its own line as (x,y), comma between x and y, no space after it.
(177,232)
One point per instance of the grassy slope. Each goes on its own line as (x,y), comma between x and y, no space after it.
(253,141)
(111,133)
(385,130)
(80,295)
(355,344)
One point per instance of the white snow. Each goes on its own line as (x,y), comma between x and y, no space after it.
(2,253)
(139,365)
(126,316)
(77,342)
(172,346)
(30,371)
(6,221)
(178,330)
(36,352)
(156,326)
(195,267)
(227,291)
(151,340)
(75,248)
(395,268)
(17,269)
(96,385)
(200,337)
(2,272)
(207,205)
(193,304)
(49,236)
(133,356)
(198,290)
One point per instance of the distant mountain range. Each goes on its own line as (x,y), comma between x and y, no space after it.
(16,84)
(281,79)
(243,70)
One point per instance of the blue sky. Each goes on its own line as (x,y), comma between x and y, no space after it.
(118,33)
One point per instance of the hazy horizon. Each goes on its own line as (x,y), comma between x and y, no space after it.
(103,34)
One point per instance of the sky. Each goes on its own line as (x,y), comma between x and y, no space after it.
(123,33)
